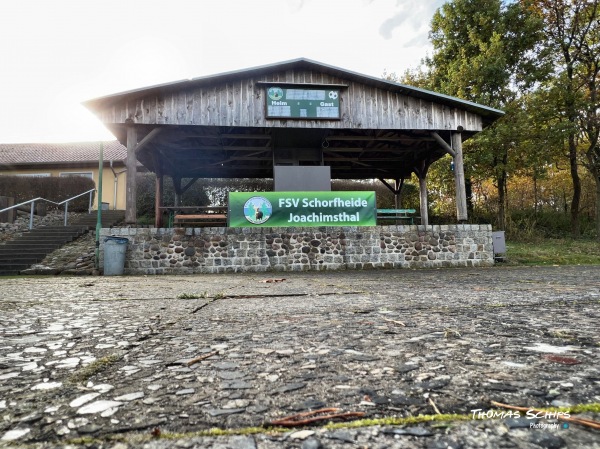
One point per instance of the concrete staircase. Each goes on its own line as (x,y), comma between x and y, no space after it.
(33,246)
(109,218)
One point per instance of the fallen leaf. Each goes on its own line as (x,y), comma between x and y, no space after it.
(561,359)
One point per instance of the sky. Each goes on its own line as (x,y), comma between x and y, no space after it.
(55,54)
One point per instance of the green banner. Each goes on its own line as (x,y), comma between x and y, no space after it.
(273,209)
(303,103)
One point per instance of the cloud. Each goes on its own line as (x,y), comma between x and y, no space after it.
(411,15)
(296,5)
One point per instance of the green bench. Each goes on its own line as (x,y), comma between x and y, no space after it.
(397,214)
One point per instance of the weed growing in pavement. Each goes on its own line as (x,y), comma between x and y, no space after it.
(451,333)
(82,375)
(203,295)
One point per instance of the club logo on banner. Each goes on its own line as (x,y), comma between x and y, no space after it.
(258,210)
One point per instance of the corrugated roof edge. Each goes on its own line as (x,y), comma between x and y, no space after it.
(220,77)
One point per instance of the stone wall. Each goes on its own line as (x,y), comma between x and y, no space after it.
(221,250)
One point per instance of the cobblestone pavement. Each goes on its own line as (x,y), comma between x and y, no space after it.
(155,362)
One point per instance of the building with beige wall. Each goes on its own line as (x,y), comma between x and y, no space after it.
(71,159)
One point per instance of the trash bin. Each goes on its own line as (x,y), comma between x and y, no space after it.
(114,255)
(499,245)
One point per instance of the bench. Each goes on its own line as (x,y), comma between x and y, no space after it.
(397,214)
(199,220)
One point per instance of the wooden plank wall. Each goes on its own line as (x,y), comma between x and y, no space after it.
(242,103)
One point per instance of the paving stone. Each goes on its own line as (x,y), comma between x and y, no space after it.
(76,403)
(225,411)
(130,396)
(301,434)
(98,407)
(312,443)
(546,440)
(413,431)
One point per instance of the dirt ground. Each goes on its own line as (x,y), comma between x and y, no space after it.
(410,358)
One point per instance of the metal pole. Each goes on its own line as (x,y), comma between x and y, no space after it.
(90,202)
(31,215)
(99,221)
(66,212)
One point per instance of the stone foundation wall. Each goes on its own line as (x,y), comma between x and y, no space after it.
(227,250)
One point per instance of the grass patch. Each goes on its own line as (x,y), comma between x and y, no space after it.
(82,375)
(554,252)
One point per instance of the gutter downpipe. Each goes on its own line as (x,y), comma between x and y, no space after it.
(116,176)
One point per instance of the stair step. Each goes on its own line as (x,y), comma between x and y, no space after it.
(38,238)
(14,266)
(33,252)
(38,246)
(18,256)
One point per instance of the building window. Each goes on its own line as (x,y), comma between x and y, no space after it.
(40,175)
(85,174)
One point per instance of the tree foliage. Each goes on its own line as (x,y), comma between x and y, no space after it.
(539,61)
(572,47)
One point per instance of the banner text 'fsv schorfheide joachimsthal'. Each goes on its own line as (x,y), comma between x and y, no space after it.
(276,209)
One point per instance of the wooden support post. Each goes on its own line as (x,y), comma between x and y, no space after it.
(178,191)
(397,191)
(158,201)
(459,177)
(131,163)
(421,172)
(423,197)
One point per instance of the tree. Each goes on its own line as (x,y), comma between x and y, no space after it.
(573,47)
(485,51)
(589,75)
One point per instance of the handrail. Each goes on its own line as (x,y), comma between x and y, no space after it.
(65,202)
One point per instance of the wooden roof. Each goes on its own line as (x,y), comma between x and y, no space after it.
(216,126)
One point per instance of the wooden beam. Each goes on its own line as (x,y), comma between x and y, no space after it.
(443,144)
(364,159)
(216,148)
(189,184)
(380,139)
(229,136)
(246,157)
(305,85)
(395,190)
(146,140)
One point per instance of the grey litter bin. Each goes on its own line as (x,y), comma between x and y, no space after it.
(114,255)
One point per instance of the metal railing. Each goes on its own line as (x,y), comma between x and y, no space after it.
(65,202)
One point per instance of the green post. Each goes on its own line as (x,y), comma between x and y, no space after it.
(99,201)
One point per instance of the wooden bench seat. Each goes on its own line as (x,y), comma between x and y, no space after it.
(199,220)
